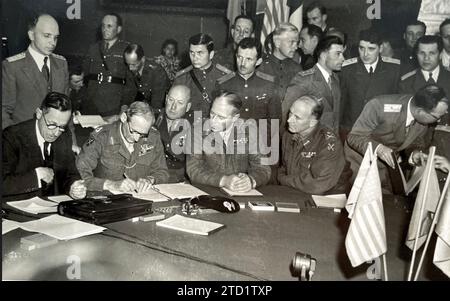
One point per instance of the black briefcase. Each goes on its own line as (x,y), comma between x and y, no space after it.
(105,210)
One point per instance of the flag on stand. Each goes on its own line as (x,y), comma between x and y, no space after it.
(442,252)
(279,11)
(366,236)
(236,8)
(429,195)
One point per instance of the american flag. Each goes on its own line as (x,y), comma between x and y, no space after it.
(280,11)
(442,252)
(366,236)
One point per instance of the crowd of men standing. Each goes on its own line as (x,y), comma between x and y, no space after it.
(326,108)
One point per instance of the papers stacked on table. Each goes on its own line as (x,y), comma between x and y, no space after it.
(337,201)
(35,205)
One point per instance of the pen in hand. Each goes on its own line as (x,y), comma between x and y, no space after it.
(126,177)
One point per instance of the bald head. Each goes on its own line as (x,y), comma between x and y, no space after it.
(178,101)
(43,33)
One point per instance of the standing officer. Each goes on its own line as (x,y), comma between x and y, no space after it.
(105,70)
(30,75)
(126,155)
(413,31)
(146,81)
(365,77)
(202,75)
(174,124)
(310,35)
(243,27)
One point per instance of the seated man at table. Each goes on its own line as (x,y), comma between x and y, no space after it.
(37,154)
(224,155)
(126,155)
(312,157)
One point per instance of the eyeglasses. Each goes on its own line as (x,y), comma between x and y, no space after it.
(53,126)
(133,132)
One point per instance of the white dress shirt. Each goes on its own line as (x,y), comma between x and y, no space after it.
(38,58)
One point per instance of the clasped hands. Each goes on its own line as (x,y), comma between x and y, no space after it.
(238,183)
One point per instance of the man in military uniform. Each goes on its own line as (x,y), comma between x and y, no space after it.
(202,75)
(30,75)
(428,49)
(413,31)
(225,156)
(320,81)
(444,30)
(365,77)
(395,124)
(316,14)
(105,70)
(312,156)
(280,63)
(126,155)
(310,35)
(174,124)
(146,81)
(243,27)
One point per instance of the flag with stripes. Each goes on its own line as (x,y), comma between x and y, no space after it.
(366,236)
(280,11)
(442,252)
(428,195)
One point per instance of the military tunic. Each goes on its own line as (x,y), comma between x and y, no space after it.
(151,86)
(411,82)
(201,100)
(105,157)
(105,81)
(314,164)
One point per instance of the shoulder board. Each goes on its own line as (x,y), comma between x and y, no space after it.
(265,76)
(223,68)
(307,72)
(16,57)
(183,71)
(408,75)
(225,78)
(57,56)
(390,60)
(123,41)
(350,61)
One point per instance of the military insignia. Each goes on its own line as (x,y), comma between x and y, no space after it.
(225,78)
(443,128)
(261,97)
(308,155)
(329,135)
(60,57)
(89,142)
(98,129)
(307,72)
(408,75)
(265,76)
(390,60)
(223,68)
(181,141)
(350,61)
(392,108)
(16,57)
(145,148)
(330,147)
(181,72)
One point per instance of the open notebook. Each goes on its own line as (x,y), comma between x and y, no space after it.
(190,225)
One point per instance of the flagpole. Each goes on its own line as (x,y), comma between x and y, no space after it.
(422,209)
(433,225)
(386,278)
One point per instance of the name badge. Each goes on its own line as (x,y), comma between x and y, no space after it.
(392,108)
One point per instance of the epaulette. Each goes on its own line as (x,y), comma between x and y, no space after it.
(307,72)
(93,135)
(350,61)
(390,60)
(159,120)
(408,75)
(57,56)
(265,76)
(16,57)
(183,71)
(223,68)
(226,78)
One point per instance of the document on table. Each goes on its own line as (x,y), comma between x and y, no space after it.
(190,225)
(252,192)
(330,201)
(8,226)
(60,198)
(178,190)
(150,195)
(34,205)
(91,121)
(60,227)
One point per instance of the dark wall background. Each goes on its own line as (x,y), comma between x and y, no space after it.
(150,22)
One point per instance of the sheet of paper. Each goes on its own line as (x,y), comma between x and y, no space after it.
(252,192)
(190,225)
(415,179)
(178,190)
(150,195)
(60,198)
(330,201)
(8,226)
(61,227)
(92,121)
(34,205)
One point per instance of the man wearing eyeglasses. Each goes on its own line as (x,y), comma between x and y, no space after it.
(124,156)
(37,154)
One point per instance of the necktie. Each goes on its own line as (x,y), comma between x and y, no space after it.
(105,46)
(431,79)
(371,70)
(48,158)
(45,70)
(410,126)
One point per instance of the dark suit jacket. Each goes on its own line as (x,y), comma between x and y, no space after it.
(21,155)
(312,82)
(24,86)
